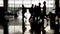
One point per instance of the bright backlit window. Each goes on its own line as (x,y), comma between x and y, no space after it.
(28,3)
(14,3)
(1,3)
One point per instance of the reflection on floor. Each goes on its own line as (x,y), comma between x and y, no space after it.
(15,29)
(18,30)
(1,31)
(47,29)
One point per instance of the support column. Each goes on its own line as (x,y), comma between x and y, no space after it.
(5,25)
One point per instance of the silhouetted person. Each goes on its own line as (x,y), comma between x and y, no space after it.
(43,14)
(35,19)
(38,18)
(44,8)
(23,23)
(31,10)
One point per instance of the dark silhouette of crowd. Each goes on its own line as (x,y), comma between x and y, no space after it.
(37,19)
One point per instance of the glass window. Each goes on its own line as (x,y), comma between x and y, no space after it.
(18,3)
(1,3)
(14,3)
(49,3)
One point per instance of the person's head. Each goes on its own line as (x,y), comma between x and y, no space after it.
(32,5)
(22,5)
(39,4)
(35,5)
(44,2)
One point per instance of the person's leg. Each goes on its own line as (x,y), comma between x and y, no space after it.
(31,25)
(43,27)
(23,25)
(56,29)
